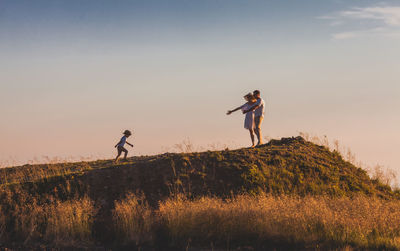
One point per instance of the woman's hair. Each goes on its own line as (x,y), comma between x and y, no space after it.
(249,97)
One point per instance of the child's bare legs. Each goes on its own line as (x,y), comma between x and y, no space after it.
(252,136)
(116,159)
(120,150)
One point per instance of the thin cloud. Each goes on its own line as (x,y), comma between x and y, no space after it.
(374,21)
(344,35)
(382,32)
(389,15)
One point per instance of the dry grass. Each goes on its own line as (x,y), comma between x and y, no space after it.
(28,222)
(46,212)
(257,221)
(29,173)
(39,160)
(133,220)
(362,222)
(187,146)
(385,175)
(70,222)
(38,172)
(66,223)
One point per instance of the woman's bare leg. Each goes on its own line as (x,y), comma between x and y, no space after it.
(252,136)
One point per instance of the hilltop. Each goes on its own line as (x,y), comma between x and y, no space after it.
(289,166)
(286,166)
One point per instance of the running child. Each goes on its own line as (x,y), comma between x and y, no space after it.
(120,145)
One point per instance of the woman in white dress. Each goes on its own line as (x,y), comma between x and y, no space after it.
(249,118)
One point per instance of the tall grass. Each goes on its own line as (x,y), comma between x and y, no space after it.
(67,223)
(28,222)
(70,222)
(385,175)
(28,173)
(39,160)
(38,172)
(245,220)
(257,221)
(133,220)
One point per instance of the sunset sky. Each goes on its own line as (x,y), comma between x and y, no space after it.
(75,74)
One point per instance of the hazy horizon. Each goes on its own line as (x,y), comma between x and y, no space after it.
(75,74)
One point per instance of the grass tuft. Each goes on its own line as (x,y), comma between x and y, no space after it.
(133,220)
(70,222)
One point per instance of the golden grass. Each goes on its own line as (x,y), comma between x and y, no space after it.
(23,174)
(29,216)
(133,220)
(361,221)
(385,175)
(70,222)
(258,221)
(29,220)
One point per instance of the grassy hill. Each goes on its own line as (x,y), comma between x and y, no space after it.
(286,166)
(290,166)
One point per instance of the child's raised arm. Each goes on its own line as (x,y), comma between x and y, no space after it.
(129,144)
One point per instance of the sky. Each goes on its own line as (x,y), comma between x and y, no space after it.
(75,74)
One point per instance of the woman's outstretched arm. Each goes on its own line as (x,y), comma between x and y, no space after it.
(234,110)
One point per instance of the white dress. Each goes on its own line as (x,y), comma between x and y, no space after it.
(249,119)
